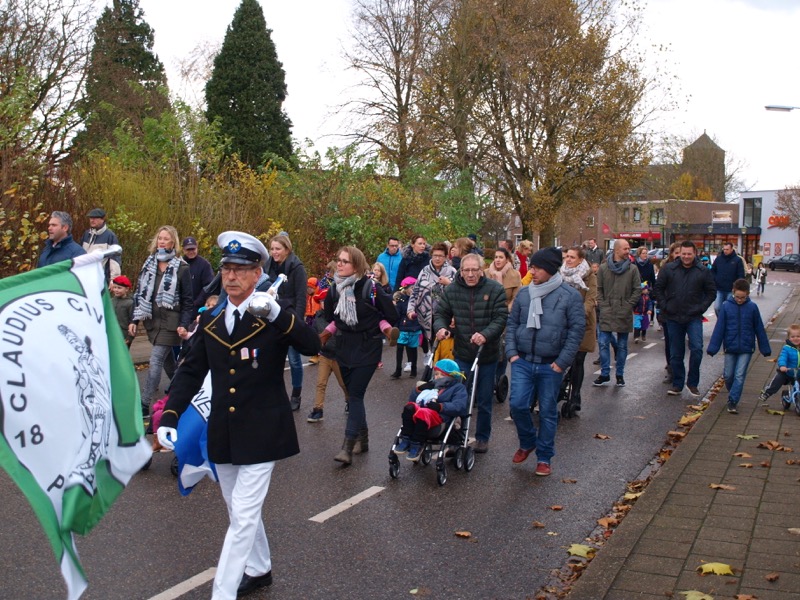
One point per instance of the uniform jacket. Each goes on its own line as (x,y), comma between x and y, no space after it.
(391,262)
(479,309)
(63,250)
(683,294)
(294,290)
(726,269)
(361,344)
(563,326)
(738,326)
(616,296)
(250,420)
(101,239)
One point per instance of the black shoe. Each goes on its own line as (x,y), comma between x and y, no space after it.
(601,380)
(251,583)
(395,375)
(596,362)
(620,381)
(294,402)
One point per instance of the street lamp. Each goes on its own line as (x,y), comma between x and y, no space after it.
(781,108)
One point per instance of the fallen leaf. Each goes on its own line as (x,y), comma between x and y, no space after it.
(741,436)
(581,550)
(602,436)
(632,496)
(677,434)
(766,464)
(745,597)
(715,568)
(697,407)
(556,507)
(770,445)
(786,449)
(569,481)
(463,534)
(414,591)
(721,486)
(639,417)
(771,411)
(791,461)
(695,595)
(787,434)
(772,576)
(794,530)
(689,419)
(607,522)
(743,455)
(747,465)
(664,455)
(551,533)
(537,525)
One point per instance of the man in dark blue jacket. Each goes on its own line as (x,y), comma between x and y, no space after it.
(543,334)
(727,268)
(59,245)
(200,269)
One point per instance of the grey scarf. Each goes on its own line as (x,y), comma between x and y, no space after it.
(538,292)
(346,306)
(618,267)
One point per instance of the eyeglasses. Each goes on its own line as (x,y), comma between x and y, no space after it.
(342,261)
(470,271)
(741,298)
(237,271)
(437,256)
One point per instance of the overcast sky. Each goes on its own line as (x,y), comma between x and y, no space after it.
(730,57)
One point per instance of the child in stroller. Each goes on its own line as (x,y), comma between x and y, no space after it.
(429,411)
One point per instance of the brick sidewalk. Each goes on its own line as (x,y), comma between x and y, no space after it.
(680,522)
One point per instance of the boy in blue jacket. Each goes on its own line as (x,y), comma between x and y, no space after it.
(738,326)
(788,359)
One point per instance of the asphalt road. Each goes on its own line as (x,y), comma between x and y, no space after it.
(400,538)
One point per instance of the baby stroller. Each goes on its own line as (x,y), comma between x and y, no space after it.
(455,439)
(565,397)
(501,384)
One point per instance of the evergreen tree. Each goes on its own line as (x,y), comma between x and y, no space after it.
(247,89)
(126,82)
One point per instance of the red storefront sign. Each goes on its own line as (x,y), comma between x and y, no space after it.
(645,235)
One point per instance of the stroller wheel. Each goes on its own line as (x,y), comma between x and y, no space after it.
(458,459)
(146,465)
(173,467)
(425,457)
(501,389)
(394,466)
(567,410)
(469,459)
(441,474)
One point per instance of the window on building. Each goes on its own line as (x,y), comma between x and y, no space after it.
(590,221)
(657,217)
(626,214)
(637,215)
(752,212)
(517,222)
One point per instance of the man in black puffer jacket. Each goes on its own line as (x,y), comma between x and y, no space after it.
(479,307)
(727,268)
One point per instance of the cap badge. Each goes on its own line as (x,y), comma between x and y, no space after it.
(233,246)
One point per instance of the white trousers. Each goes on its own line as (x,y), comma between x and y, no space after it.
(246,550)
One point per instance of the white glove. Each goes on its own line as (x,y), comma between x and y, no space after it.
(167,436)
(264,305)
(274,308)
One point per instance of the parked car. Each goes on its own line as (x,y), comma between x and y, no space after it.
(790,262)
(658,253)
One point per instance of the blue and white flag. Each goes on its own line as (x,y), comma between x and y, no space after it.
(72,434)
(192,445)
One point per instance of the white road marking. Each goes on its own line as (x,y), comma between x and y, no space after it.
(187,586)
(343,506)
(650,345)
(630,356)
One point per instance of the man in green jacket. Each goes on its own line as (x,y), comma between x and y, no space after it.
(619,288)
(479,307)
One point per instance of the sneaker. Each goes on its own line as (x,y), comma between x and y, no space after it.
(762,397)
(786,401)
(395,375)
(644,340)
(407,368)
(294,402)
(314,360)
(694,391)
(667,379)
(521,455)
(542,469)
(732,409)
(674,391)
(620,381)
(402,446)
(596,362)
(601,380)
(414,452)
(480,446)
(315,416)
(635,340)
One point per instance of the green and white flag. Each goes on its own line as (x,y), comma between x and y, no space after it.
(72,434)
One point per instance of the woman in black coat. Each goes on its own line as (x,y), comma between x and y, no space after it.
(357,313)
(415,257)
(647,272)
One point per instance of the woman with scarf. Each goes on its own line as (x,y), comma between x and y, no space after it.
(358,338)
(163,300)
(576,272)
(647,272)
(432,280)
(503,272)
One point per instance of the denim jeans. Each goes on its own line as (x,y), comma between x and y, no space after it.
(721,297)
(161,357)
(619,341)
(484,396)
(529,380)
(677,350)
(734,372)
(296,368)
(356,380)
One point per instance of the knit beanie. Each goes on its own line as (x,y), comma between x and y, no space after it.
(548,259)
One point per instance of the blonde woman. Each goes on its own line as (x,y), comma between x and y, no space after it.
(163,301)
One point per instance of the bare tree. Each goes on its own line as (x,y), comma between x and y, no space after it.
(788,204)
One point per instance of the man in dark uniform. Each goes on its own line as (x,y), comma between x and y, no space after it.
(250,424)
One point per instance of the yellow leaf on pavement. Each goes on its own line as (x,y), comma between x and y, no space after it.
(689,419)
(537,525)
(772,576)
(607,522)
(581,550)
(741,436)
(742,455)
(721,486)
(463,534)
(775,412)
(632,496)
(695,595)
(602,436)
(715,568)
(747,465)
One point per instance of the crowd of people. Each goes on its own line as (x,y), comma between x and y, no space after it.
(536,314)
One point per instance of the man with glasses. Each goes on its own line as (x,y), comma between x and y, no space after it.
(478,305)
(250,424)
(390,258)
